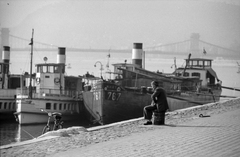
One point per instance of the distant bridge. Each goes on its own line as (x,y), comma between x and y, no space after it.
(193,45)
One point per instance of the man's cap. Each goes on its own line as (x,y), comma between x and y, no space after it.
(155,83)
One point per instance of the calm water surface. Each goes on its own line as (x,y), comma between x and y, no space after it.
(80,63)
(13,132)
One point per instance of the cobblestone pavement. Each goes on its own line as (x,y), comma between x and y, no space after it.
(184,135)
(218,135)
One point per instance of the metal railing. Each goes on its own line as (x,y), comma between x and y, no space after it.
(49,92)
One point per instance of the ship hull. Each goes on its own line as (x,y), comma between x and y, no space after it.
(31,111)
(189,99)
(108,109)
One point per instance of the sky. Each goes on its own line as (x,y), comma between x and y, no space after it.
(120,23)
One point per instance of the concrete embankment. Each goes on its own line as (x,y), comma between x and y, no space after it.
(79,137)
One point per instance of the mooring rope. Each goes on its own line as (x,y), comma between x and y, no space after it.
(28,133)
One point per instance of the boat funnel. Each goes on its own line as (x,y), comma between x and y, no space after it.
(61,57)
(6,54)
(137,54)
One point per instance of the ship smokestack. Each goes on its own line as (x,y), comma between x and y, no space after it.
(6,54)
(61,57)
(137,54)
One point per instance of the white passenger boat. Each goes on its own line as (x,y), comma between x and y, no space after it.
(50,90)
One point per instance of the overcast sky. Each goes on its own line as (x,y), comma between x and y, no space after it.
(119,23)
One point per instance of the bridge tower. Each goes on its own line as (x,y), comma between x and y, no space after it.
(4,40)
(194,44)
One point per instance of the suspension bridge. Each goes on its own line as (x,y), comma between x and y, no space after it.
(193,45)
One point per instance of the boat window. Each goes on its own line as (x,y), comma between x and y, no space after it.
(5,105)
(60,106)
(48,106)
(56,69)
(69,106)
(55,106)
(200,63)
(194,63)
(208,63)
(44,69)
(65,106)
(186,74)
(0,68)
(50,69)
(39,69)
(0,105)
(196,74)
(9,105)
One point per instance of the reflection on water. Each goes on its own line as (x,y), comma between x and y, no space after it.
(13,132)
(8,133)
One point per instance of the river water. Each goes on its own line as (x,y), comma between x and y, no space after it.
(78,63)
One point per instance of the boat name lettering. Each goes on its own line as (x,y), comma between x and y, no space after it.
(96,95)
(112,87)
(113,96)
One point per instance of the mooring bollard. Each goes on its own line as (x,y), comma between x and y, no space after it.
(158,118)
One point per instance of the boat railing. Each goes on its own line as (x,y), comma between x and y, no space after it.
(37,93)
(187,88)
(214,86)
(8,93)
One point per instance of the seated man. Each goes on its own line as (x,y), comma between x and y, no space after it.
(159,103)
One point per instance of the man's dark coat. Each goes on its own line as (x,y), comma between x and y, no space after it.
(159,98)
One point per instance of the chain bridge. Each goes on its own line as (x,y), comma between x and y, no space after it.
(193,45)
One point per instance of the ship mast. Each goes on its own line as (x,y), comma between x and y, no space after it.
(30,83)
(187,63)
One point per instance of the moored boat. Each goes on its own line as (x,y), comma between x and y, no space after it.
(49,90)
(8,84)
(207,89)
(125,96)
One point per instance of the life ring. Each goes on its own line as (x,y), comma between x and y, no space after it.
(38,80)
(56,80)
(118,89)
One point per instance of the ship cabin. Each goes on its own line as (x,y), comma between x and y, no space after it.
(133,76)
(199,68)
(50,80)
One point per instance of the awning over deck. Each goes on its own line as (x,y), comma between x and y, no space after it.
(212,72)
